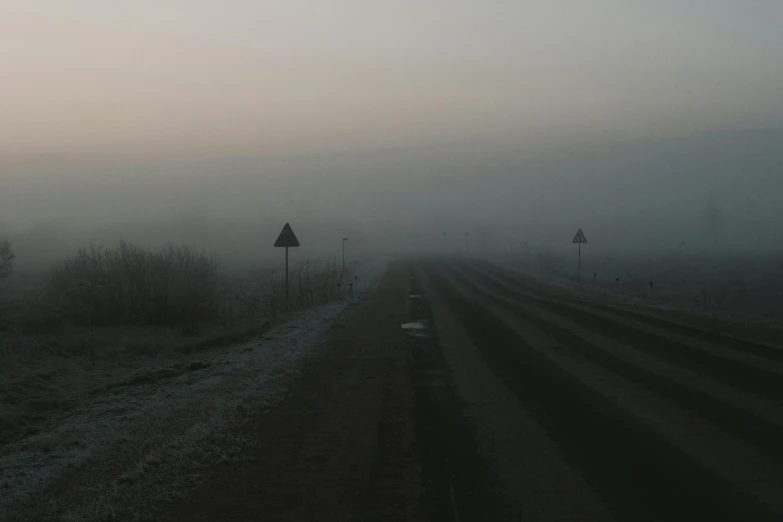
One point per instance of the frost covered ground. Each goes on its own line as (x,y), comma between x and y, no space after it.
(144,439)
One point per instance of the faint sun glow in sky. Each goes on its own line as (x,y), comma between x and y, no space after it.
(189,77)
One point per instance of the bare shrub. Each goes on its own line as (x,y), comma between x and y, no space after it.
(7,256)
(128,285)
(312,283)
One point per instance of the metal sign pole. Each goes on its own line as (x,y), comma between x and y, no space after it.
(286,239)
(579,238)
(286,277)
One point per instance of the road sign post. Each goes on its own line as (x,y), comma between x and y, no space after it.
(286,239)
(286,277)
(579,238)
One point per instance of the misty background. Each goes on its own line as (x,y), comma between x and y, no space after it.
(653,126)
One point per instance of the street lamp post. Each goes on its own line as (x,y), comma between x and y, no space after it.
(344,240)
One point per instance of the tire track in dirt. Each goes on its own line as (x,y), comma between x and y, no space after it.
(534,482)
(751,376)
(640,474)
(757,421)
(742,346)
(713,439)
(460,485)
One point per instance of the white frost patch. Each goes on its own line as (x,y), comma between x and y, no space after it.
(177,417)
(414,326)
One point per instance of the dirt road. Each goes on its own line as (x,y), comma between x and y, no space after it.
(458,391)
(661,422)
(497,401)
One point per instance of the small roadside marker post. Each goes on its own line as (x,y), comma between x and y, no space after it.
(286,239)
(579,238)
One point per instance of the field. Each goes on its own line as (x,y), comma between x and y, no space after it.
(76,379)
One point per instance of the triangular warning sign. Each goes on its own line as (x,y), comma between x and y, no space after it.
(287,238)
(579,237)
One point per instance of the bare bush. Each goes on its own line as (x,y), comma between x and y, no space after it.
(127,284)
(313,283)
(7,256)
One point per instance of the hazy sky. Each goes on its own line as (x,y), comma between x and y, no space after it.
(193,77)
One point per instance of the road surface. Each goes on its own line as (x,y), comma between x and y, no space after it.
(497,401)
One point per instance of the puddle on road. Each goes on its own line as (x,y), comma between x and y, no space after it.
(418,325)
(420,328)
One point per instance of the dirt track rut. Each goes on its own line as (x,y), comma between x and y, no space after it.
(664,422)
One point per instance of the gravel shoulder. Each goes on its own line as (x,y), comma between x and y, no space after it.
(341,444)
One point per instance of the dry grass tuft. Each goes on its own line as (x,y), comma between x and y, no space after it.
(312,283)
